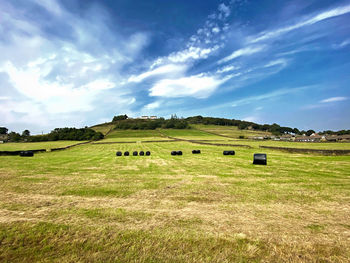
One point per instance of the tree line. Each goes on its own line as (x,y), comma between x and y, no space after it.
(141,124)
(58,134)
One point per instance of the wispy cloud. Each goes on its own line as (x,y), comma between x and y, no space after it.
(270,95)
(227,69)
(333,99)
(166,69)
(345,43)
(242,52)
(306,22)
(278,62)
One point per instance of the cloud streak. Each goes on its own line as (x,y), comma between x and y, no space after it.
(315,19)
(333,99)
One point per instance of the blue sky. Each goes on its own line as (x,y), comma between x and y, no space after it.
(76,63)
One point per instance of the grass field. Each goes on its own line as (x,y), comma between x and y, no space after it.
(35,145)
(86,205)
(106,128)
(231,131)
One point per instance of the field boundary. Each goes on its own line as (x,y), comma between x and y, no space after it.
(134,142)
(206,143)
(303,150)
(214,133)
(12,153)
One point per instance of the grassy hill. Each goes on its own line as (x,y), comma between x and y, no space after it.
(230,131)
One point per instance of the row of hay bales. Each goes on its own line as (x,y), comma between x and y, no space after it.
(134,153)
(259,158)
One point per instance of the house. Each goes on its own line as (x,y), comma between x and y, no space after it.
(345,137)
(148,117)
(3,138)
(286,137)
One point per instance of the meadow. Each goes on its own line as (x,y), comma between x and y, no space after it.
(85,204)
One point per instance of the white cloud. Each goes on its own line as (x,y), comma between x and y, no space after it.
(282,62)
(216,30)
(198,86)
(227,69)
(166,69)
(153,105)
(51,6)
(191,53)
(317,18)
(333,99)
(242,52)
(345,43)
(225,10)
(58,80)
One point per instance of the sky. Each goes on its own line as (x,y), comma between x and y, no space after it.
(78,63)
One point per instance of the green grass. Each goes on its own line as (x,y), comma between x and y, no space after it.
(86,204)
(231,131)
(104,128)
(14,146)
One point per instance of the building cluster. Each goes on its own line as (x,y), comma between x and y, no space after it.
(304,138)
(148,117)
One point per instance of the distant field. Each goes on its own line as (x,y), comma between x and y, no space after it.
(134,135)
(231,131)
(191,134)
(14,146)
(87,205)
(304,145)
(103,128)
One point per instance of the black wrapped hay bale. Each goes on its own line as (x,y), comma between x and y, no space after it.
(119,153)
(173,152)
(26,154)
(148,153)
(196,151)
(226,152)
(232,152)
(134,153)
(179,152)
(126,153)
(260,158)
(142,153)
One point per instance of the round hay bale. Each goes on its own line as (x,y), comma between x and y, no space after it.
(148,153)
(260,158)
(119,153)
(179,152)
(232,152)
(173,152)
(142,153)
(126,153)
(26,154)
(226,152)
(134,153)
(196,151)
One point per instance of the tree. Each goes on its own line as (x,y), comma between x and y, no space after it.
(3,130)
(309,132)
(26,133)
(14,137)
(120,118)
